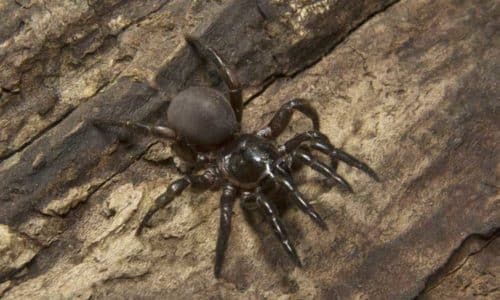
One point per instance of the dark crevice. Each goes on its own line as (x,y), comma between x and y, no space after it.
(449,267)
(108,179)
(122,170)
(135,22)
(127,277)
(138,157)
(56,122)
(276,76)
(267,82)
(11,153)
(50,126)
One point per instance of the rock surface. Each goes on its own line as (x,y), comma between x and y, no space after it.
(15,251)
(411,87)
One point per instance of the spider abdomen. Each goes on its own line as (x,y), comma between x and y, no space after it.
(202,116)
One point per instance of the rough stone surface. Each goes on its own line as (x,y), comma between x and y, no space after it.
(15,252)
(411,87)
(470,272)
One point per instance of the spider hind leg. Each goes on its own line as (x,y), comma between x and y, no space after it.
(269,210)
(203,181)
(226,210)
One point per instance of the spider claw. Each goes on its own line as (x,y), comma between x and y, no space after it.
(352,161)
(290,249)
(306,157)
(217,269)
(144,223)
(309,210)
(286,182)
(338,154)
(318,220)
(342,182)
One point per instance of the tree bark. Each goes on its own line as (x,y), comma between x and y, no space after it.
(410,87)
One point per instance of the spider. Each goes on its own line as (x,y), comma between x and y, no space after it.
(205,125)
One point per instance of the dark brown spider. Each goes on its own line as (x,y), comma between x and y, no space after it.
(205,125)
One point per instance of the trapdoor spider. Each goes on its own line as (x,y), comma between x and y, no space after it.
(204,122)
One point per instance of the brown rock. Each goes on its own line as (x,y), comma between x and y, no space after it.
(411,88)
(15,252)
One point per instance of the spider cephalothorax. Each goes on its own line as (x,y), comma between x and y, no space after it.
(205,123)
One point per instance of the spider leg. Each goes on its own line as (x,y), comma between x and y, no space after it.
(186,153)
(271,214)
(309,136)
(286,182)
(320,142)
(175,189)
(305,157)
(226,210)
(335,153)
(160,131)
(281,119)
(195,160)
(247,201)
(228,74)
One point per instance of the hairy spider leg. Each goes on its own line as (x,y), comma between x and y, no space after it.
(283,116)
(271,213)
(203,181)
(160,131)
(228,74)
(285,180)
(227,200)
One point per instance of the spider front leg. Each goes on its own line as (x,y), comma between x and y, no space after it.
(204,181)
(160,131)
(226,210)
(339,154)
(282,118)
(227,74)
(318,141)
(304,156)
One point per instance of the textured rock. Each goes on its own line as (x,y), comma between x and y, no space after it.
(15,252)
(412,91)
(108,60)
(470,272)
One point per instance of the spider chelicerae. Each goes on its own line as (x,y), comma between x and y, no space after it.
(205,125)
